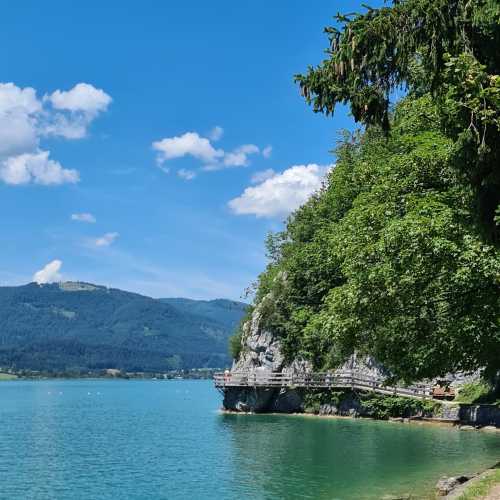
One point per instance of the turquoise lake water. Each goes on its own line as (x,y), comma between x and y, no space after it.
(105,439)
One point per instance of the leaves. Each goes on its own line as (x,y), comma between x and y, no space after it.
(389,259)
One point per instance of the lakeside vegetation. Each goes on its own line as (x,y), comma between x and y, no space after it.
(480,392)
(480,489)
(398,255)
(378,406)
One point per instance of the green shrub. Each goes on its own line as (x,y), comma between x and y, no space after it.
(476,392)
(383,407)
(235,344)
(378,406)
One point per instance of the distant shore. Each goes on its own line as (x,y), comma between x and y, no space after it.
(194,374)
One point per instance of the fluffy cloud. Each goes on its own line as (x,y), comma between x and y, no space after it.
(201,148)
(188,144)
(186,174)
(49,273)
(25,120)
(19,109)
(82,97)
(77,107)
(36,168)
(84,217)
(106,240)
(280,194)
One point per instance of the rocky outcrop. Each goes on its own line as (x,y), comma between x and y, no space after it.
(480,415)
(262,352)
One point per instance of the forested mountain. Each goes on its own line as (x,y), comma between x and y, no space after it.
(225,312)
(79,326)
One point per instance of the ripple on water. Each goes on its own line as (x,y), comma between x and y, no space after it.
(81,439)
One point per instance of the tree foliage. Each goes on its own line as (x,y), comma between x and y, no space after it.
(445,48)
(398,254)
(389,258)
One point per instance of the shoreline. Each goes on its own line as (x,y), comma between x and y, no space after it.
(96,376)
(393,420)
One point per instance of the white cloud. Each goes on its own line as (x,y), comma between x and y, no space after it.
(280,194)
(25,120)
(13,98)
(261,176)
(188,144)
(70,127)
(239,157)
(82,97)
(200,148)
(216,134)
(49,273)
(186,174)
(84,103)
(267,151)
(19,109)
(106,240)
(36,168)
(84,217)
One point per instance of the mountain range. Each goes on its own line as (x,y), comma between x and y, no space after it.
(75,326)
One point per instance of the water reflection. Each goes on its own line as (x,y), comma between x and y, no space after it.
(304,457)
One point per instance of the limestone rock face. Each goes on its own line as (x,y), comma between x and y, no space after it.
(364,365)
(262,352)
(247,399)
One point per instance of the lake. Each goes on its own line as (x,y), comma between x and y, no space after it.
(131,439)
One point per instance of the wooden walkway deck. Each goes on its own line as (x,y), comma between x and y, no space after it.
(337,380)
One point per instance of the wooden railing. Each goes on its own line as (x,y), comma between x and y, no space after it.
(341,380)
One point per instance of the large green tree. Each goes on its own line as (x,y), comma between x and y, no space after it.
(398,256)
(448,48)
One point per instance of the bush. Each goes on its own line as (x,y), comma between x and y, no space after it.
(378,406)
(476,392)
(235,344)
(383,407)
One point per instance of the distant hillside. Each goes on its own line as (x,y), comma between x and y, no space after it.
(226,312)
(80,326)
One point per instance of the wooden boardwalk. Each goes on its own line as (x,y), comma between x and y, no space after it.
(337,380)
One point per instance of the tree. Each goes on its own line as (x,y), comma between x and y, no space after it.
(389,259)
(398,255)
(447,48)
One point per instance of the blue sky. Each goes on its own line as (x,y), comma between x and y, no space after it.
(114,168)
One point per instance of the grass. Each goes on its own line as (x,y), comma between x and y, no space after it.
(482,487)
(7,376)
(476,393)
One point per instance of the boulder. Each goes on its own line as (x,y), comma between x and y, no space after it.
(447,484)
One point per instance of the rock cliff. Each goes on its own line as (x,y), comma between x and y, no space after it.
(262,352)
